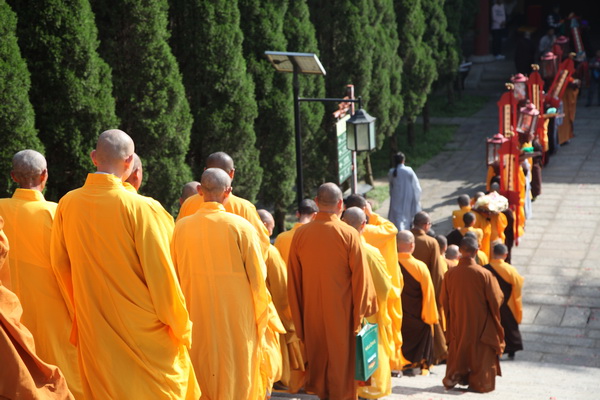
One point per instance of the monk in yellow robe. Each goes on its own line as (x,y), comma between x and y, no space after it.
(23,374)
(427,250)
(464,204)
(110,253)
(219,262)
(291,352)
(188,190)
(471,300)
(492,225)
(511,310)
(329,304)
(306,213)
(419,305)
(468,225)
(28,225)
(235,205)
(380,382)
(381,233)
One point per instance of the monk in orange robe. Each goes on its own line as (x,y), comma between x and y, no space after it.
(464,204)
(110,253)
(381,233)
(235,205)
(428,251)
(188,190)
(380,382)
(330,291)
(23,374)
(306,213)
(28,225)
(471,300)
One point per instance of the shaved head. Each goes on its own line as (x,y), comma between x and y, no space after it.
(355,217)
(136,177)
(500,250)
(468,219)
(452,252)
(478,195)
(494,187)
(328,196)
(443,242)
(405,241)
(189,189)
(469,246)
(137,162)
(220,160)
(27,168)
(421,219)
(216,184)
(355,200)
(113,146)
(463,200)
(267,219)
(307,207)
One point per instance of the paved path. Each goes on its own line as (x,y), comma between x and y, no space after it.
(559,256)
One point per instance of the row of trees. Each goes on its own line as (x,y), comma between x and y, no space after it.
(186,78)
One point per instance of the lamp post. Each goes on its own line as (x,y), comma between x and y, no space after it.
(360,131)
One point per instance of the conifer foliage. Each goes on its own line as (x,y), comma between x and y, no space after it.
(207,41)
(149,91)
(16,112)
(70,85)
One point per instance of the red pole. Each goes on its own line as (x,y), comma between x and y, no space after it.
(482,29)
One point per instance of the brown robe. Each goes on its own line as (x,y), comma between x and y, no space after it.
(471,300)
(427,250)
(330,291)
(23,374)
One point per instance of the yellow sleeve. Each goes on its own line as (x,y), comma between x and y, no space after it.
(429,312)
(380,230)
(152,241)
(277,284)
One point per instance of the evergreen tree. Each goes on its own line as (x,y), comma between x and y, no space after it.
(207,41)
(150,96)
(262,26)
(301,37)
(419,66)
(71,85)
(16,112)
(443,46)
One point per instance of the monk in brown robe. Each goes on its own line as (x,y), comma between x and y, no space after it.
(428,251)
(471,300)
(330,291)
(23,374)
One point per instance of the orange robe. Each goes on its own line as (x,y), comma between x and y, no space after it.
(492,226)
(569,98)
(381,233)
(28,225)
(330,291)
(235,205)
(110,253)
(471,299)
(427,250)
(457,216)
(283,241)
(219,262)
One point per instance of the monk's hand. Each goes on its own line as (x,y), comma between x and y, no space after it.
(368,208)
(296,355)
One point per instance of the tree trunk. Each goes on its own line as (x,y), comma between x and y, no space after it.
(426,122)
(410,133)
(369,171)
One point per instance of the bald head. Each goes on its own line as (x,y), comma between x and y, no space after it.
(468,246)
(215,185)
(137,174)
(267,220)
(499,251)
(442,242)
(355,217)
(405,241)
(355,200)
(452,252)
(494,187)
(468,219)
(188,190)
(114,153)
(220,160)
(329,198)
(306,211)
(463,200)
(421,220)
(29,169)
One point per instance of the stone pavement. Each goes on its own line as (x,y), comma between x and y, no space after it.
(559,256)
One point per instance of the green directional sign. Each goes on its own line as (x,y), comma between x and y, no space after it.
(344,155)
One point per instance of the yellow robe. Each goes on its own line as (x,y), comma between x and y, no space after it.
(235,205)
(167,219)
(28,225)
(381,382)
(381,233)
(292,362)
(284,241)
(110,253)
(512,276)
(492,227)
(218,259)
(457,216)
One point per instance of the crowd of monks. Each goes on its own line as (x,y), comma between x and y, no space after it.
(105,296)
